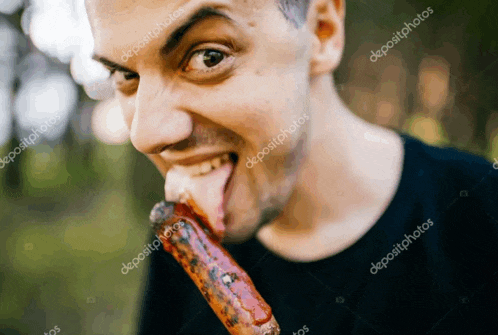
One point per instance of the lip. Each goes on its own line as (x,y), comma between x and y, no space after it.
(227,192)
(195,159)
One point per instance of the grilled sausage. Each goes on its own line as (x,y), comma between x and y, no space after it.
(224,284)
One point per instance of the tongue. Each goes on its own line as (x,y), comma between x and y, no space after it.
(206,190)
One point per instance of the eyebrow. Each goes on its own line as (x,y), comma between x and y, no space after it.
(111,64)
(199,16)
(175,38)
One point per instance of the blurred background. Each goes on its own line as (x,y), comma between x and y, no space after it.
(75,199)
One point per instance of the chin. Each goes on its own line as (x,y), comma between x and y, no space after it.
(240,232)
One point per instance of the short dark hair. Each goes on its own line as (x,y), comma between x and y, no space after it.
(294,11)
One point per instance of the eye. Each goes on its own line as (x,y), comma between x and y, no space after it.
(126,82)
(130,76)
(206,60)
(120,75)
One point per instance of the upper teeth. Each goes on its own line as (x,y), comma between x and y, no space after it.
(204,167)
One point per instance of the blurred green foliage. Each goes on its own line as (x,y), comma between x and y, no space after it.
(64,232)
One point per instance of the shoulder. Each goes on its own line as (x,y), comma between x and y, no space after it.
(457,182)
(450,163)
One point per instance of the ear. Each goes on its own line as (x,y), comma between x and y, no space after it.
(326,20)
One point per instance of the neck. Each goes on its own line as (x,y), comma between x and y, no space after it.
(350,167)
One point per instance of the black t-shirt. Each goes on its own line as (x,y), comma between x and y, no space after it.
(428,266)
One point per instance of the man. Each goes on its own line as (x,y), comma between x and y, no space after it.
(345,227)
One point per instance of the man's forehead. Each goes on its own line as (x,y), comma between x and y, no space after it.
(118,6)
(129,16)
(106,8)
(118,25)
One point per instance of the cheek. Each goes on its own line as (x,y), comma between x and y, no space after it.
(256,104)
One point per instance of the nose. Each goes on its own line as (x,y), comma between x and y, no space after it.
(159,119)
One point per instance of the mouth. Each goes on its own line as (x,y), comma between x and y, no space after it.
(206,180)
(200,166)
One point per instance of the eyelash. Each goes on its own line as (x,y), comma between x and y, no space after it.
(200,52)
(125,74)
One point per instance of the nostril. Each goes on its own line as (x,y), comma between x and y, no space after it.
(166,147)
(183,145)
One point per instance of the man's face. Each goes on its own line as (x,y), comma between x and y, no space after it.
(235,79)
